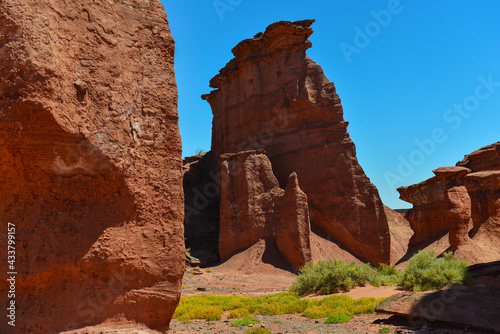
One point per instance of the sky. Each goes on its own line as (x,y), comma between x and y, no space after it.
(419,80)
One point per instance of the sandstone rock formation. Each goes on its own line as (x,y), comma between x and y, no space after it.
(254,207)
(90,163)
(456,204)
(445,203)
(401,234)
(427,217)
(272,96)
(485,159)
(471,306)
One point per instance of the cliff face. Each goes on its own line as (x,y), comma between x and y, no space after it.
(427,217)
(254,207)
(455,198)
(272,96)
(90,169)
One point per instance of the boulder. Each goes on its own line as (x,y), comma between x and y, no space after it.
(272,96)
(456,204)
(254,207)
(470,306)
(90,167)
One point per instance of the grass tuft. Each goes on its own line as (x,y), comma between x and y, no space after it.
(246,321)
(260,330)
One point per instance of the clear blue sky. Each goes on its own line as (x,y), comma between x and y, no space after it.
(420,90)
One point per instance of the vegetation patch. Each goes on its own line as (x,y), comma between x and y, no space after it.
(424,272)
(246,321)
(211,307)
(260,330)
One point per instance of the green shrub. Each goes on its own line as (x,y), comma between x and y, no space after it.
(384,330)
(425,272)
(259,330)
(331,276)
(245,322)
(339,317)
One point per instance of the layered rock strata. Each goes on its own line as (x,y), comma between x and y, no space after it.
(254,207)
(427,217)
(272,96)
(456,196)
(90,163)
(456,204)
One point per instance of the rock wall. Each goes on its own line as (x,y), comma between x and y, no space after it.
(456,204)
(447,202)
(427,217)
(254,207)
(272,96)
(90,169)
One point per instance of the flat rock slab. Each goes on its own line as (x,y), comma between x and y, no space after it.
(471,306)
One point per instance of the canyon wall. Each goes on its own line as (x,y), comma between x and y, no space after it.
(90,169)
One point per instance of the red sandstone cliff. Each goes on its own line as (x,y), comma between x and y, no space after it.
(90,169)
(272,96)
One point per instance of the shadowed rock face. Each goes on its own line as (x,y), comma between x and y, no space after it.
(272,96)
(254,207)
(427,217)
(90,163)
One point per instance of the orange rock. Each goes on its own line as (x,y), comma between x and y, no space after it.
(272,96)
(254,207)
(90,169)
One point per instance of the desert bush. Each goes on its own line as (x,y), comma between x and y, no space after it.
(331,276)
(425,272)
(259,330)
(246,321)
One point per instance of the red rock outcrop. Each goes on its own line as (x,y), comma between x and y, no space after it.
(485,159)
(254,207)
(456,204)
(484,191)
(272,96)
(448,201)
(90,169)
(427,217)
(401,234)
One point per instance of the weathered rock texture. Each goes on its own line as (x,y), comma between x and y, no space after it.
(471,306)
(485,159)
(484,190)
(401,234)
(272,96)
(456,204)
(447,201)
(427,217)
(90,169)
(254,207)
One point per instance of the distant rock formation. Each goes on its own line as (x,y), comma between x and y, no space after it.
(456,204)
(456,195)
(427,217)
(254,207)
(90,163)
(272,96)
